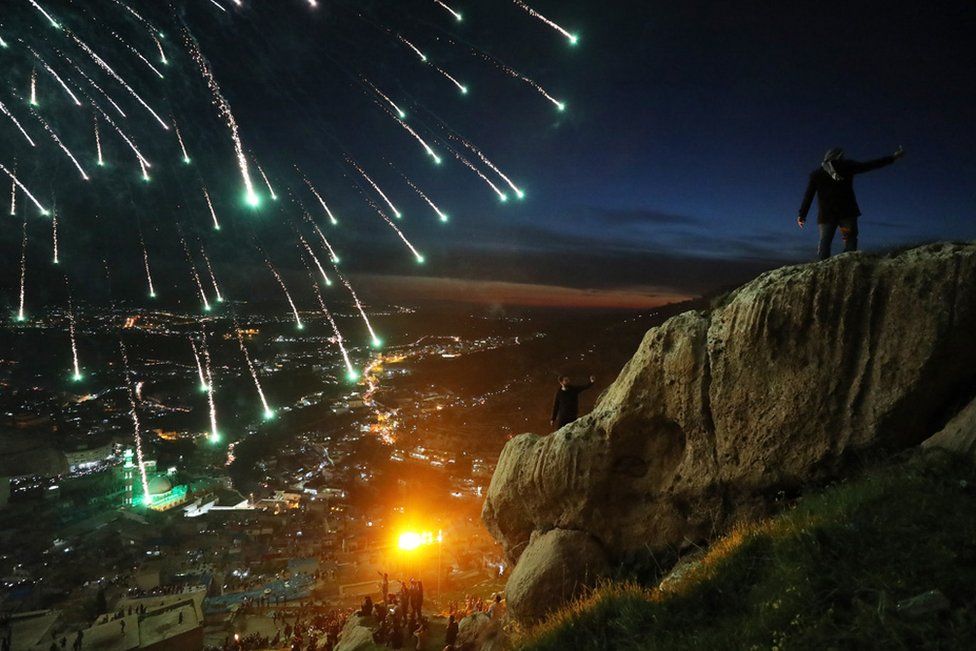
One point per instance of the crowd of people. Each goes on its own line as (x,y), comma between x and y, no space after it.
(306,628)
(396,618)
(402,624)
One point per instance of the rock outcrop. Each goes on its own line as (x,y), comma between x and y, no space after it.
(777,385)
(356,635)
(959,435)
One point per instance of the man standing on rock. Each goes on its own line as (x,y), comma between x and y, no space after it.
(565,408)
(833,183)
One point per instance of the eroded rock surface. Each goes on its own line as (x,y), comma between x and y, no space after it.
(775,386)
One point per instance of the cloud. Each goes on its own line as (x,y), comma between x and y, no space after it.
(492,292)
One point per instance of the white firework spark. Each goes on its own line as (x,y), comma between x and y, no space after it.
(213,213)
(396,212)
(325,206)
(6,111)
(13,177)
(572,38)
(284,288)
(223,108)
(325,276)
(111,72)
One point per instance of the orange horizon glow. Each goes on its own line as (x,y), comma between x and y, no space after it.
(490,292)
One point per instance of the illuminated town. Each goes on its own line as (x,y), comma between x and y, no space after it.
(348,480)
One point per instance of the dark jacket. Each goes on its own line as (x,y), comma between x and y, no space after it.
(835,199)
(565,408)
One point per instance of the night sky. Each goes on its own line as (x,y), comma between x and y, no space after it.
(677,168)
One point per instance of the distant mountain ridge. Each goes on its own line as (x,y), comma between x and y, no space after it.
(779,384)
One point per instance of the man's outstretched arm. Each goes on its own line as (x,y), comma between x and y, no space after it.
(584,387)
(866,166)
(555,408)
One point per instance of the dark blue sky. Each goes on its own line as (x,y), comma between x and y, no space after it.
(677,168)
(692,128)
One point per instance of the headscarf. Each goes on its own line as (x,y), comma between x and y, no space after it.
(832,155)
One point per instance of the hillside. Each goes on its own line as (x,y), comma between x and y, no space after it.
(885,561)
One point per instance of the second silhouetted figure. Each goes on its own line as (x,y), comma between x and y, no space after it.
(565,408)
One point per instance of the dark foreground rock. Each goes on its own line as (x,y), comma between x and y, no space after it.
(774,387)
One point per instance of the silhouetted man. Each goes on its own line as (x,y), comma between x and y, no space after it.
(565,408)
(833,183)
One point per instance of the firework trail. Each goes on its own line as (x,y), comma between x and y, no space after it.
(6,111)
(573,38)
(13,177)
(50,19)
(464,161)
(64,148)
(162,54)
(379,211)
(332,253)
(54,74)
(325,277)
(457,15)
(325,206)
(416,50)
(214,434)
(94,85)
(98,142)
(213,213)
(461,87)
(33,88)
(268,411)
(298,319)
(443,216)
(218,5)
(351,372)
(145,171)
(142,159)
(179,138)
(515,74)
(376,341)
(213,278)
(196,276)
(399,111)
(423,143)
(54,235)
(494,168)
(23,273)
(76,367)
(108,69)
(274,196)
(396,213)
(13,198)
(152,29)
(3,43)
(145,260)
(196,356)
(138,55)
(136,425)
(223,108)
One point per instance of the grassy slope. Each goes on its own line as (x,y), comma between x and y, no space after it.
(824,575)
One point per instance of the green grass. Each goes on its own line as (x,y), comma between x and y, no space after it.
(825,574)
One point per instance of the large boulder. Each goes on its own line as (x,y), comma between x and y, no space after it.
(478,632)
(554,568)
(778,384)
